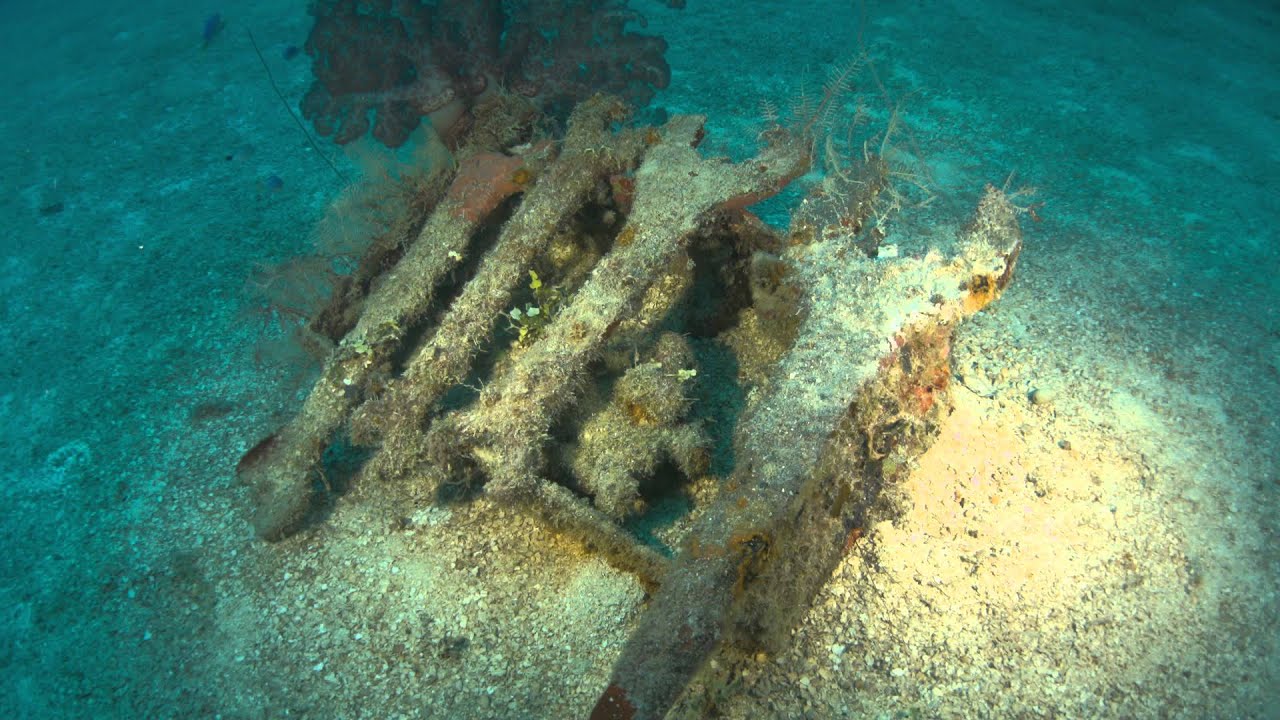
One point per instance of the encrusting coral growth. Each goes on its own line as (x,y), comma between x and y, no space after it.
(540,333)
(643,425)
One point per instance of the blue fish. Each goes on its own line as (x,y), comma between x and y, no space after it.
(212,26)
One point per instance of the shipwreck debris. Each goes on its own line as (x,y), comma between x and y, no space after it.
(551,363)
(818,451)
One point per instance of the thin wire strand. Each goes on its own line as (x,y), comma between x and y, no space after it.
(292,114)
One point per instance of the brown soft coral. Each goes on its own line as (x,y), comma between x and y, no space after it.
(402,60)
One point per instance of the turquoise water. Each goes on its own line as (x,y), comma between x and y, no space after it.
(150,169)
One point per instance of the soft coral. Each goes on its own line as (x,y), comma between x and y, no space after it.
(403,60)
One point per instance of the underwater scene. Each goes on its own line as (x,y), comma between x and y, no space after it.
(640,359)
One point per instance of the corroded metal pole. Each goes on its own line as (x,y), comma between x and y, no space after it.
(858,394)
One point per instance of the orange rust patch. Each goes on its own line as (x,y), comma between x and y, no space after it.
(613,705)
(482,183)
(981,291)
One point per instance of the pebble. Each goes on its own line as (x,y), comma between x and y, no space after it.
(1041,396)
